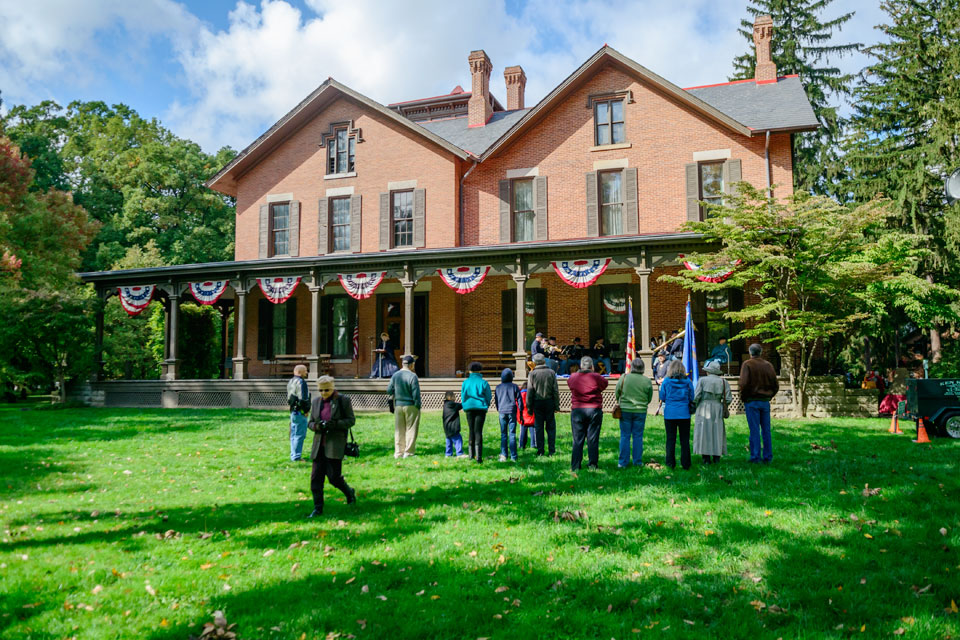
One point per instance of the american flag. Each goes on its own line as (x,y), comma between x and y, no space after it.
(356,338)
(631,338)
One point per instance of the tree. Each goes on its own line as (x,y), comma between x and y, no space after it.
(905,133)
(801,45)
(802,257)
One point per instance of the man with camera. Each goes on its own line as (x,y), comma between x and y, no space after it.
(331,419)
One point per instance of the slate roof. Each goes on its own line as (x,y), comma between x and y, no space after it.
(777,105)
(475,140)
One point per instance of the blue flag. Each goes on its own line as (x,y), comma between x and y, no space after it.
(690,349)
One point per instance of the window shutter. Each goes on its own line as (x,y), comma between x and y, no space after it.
(508,319)
(294,246)
(264,231)
(540,314)
(325,312)
(384,221)
(323,229)
(594,311)
(291,305)
(693,191)
(419,217)
(506,224)
(631,224)
(355,223)
(540,205)
(593,203)
(264,329)
(732,174)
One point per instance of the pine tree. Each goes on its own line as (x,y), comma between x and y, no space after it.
(905,131)
(801,46)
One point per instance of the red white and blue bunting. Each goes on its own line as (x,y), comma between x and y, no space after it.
(278,290)
(616,306)
(718,300)
(361,285)
(581,273)
(135,299)
(713,274)
(208,292)
(463,279)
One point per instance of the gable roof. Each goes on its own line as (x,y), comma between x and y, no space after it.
(225,181)
(474,140)
(775,106)
(702,100)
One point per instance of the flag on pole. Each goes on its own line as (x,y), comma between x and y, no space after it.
(631,352)
(356,338)
(690,349)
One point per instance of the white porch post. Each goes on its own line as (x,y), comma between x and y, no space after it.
(172,327)
(408,283)
(240,360)
(520,355)
(313,360)
(644,274)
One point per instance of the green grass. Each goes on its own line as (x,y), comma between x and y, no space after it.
(439,548)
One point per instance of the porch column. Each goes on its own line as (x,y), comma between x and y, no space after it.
(408,285)
(98,341)
(172,326)
(240,360)
(644,275)
(224,337)
(520,355)
(313,360)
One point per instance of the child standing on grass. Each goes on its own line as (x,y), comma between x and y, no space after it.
(451,424)
(506,398)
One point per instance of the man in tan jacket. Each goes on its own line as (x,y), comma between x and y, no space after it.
(758,385)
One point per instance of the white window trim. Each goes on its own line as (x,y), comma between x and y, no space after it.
(402,185)
(339,191)
(280,197)
(714,154)
(529,172)
(602,165)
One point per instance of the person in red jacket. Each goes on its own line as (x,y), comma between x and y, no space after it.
(526,421)
(586,389)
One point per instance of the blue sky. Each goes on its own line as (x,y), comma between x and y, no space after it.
(220,71)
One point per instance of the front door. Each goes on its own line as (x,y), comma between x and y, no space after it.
(390,319)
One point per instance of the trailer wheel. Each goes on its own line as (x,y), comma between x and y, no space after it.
(952,426)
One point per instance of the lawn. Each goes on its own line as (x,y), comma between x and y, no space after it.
(125,523)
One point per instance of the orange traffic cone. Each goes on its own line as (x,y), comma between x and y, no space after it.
(895,424)
(921,433)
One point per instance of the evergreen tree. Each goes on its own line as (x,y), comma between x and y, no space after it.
(801,45)
(905,131)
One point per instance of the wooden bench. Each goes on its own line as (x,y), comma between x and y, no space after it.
(282,365)
(492,361)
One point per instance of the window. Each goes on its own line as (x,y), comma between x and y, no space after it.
(534,316)
(611,203)
(608,118)
(279,339)
(613,316)
(401,207)
(340,223)
(341,150)
(711,183)
(276,328)
(280,228)
(524,217)
(339,315)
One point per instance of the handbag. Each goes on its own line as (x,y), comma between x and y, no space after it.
(616,412)
(351,449)
(390,404)
(726,411)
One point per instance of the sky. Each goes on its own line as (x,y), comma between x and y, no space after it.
(221,72)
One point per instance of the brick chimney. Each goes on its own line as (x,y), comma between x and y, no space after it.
(480,107)
(762,36)
(516,81)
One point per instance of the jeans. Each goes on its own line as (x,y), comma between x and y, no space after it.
(545,419)
(475,419)
(673,426)
(631,426)
(298,433)
(585,424)
(324,467)
(455,445)
(758,419)
(508,434)
(566,364)
(606,363)
(524,432)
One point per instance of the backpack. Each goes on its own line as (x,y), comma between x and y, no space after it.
(523,417)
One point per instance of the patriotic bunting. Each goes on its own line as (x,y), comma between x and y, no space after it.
(361,285)
(278,290)
(208,292)
(463,279)
(717,300)
(615,305)
(581,273)
(713,274)
(135,299)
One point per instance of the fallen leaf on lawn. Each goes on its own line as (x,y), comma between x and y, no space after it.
(164,623)
(867,491)
(690,622)
(767,513)
(908,620)
(943,531)
(362,623)
(868,536)
(227,587)
(923,590)
(585,548)
(150,590)
(774,609)
(501,559)
(351,580)
(708,532)
(501,589)
(421,592)
(384,598)
(364,589)
(268,553)
(473,554)
(97,589)
(953,606)
(204,535)
(900,631)
(206,566)
(293,569)
(757,604)
(434,597)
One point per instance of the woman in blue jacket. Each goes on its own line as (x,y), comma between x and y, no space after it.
(676,394)
(475,397)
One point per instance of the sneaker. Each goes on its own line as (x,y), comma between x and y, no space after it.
(315,513)
(621,466)
(463,455)
(352,496)
(514,460)
(409,455)
(503,458)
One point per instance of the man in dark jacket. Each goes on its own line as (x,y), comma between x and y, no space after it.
(331,417)
(543,394)
(758,385)
(506,396)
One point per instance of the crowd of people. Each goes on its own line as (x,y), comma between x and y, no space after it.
(532,409)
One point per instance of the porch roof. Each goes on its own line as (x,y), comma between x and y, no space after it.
(501,254)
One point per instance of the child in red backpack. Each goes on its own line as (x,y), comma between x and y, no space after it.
(525,421)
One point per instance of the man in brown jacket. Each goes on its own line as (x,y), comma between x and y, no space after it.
(758,384)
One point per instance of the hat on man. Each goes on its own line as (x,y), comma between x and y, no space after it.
(408,359)
(713,367)
(539,335)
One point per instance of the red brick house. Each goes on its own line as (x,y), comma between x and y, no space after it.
(610,164)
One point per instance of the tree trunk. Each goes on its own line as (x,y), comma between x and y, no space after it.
(62,380)
(935,352)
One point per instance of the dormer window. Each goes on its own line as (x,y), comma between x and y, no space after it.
(341,143)
(608,121)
